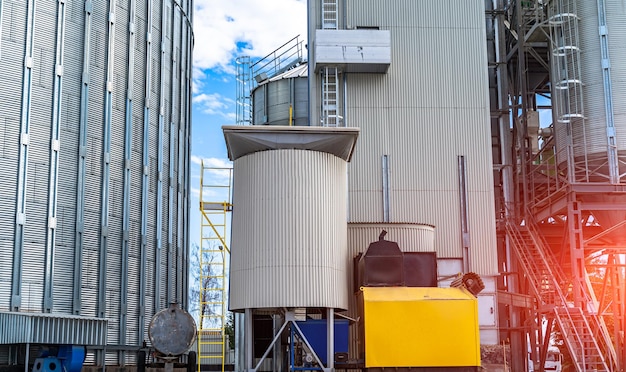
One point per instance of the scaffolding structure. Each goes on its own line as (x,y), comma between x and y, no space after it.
(215,204)
(559,238)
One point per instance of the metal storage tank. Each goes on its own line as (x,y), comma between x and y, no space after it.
(289,243)
(282,99)
(95,127)
(599,80)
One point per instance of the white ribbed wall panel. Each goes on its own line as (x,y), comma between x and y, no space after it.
(410,237)
(429,108)
(289,228)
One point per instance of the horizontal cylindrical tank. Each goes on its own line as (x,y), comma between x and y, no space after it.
(283,99)
(95,128)
(289,230)
(589,136)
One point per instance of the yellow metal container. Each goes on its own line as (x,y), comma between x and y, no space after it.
(419,327)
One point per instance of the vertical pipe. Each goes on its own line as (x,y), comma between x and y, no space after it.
(249,339)
(173,147)
(522,124)
(170,225)
(168,297)
(614,174)
(181,154)
(464,219)
(345,99)
(330,340)
(145,183)
(106,163)
(26,357)
(53,173)
(128,136)
(187,201)
(240,342)
(82,153)
(503,109)
(20,204)
(386,201)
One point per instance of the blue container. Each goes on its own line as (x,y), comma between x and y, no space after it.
(315,332)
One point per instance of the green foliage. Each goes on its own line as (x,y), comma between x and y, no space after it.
(229,329)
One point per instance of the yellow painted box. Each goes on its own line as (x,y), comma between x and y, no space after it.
(418,327)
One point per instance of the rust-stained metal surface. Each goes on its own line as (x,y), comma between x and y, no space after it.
(172,331)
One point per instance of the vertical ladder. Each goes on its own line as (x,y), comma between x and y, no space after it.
(330,75)
(330,116)
(587,341)
(215,203)
(329,14)
(244,84)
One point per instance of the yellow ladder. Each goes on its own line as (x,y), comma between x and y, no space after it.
(215,203)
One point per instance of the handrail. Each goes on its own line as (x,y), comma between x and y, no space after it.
(556,278)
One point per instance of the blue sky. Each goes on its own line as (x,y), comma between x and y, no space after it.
(225,30)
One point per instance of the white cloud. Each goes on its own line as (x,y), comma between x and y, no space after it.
(214,104)
(226,29)
(211,162)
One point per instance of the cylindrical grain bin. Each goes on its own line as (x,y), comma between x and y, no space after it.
(289,229)
(282,99)
(95,127)
(592,79)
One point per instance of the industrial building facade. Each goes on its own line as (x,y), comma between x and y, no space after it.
(490,135)
(417,88)
(95,126)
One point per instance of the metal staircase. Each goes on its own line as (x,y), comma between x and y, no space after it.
(215,203)
(586,338)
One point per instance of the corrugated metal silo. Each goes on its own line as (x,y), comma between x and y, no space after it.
(95,123)
(289,243)
(601,77)
(282,99)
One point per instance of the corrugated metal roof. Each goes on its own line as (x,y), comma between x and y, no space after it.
(20,328)
(296,72)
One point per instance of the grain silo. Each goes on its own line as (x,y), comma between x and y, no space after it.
(95,161)
(282,99)
(588,79)
(289,254)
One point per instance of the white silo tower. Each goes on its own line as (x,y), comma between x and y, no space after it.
(289,254)
(95,121)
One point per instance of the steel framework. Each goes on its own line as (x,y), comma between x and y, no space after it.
(559,238)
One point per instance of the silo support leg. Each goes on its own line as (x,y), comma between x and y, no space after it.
(330,340)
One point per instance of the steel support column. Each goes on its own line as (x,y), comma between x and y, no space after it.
(24,140)
(82,154)
(53,172)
